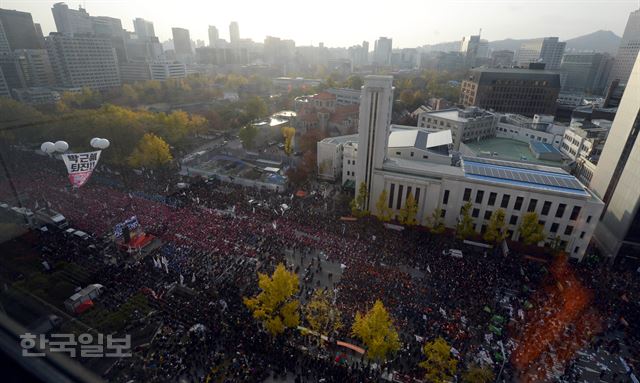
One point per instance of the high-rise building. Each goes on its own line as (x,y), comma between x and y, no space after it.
(382,51)
(474,48)
(35,67)
(365,53)
(586,72)
(521,91)
(214,36)
(83,60)
(181,41)
(234,33)
(547,50)
(4,42)
(4,89)
(70,21)
(112,28)
(616,178)
(19,30)
(143,28)
(628,50)
(502,59)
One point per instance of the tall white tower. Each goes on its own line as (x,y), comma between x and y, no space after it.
(376,101)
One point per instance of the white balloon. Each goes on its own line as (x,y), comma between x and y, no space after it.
(103,143)
(48,147)
(93,142)
(61,146)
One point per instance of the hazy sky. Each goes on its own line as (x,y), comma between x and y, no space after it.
(348,22)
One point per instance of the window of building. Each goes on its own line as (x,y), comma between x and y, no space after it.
(575,212)
(467,195)
(487,214)
(475,213)
(568,230)
(425,157)
(408,191)
(492,198)
(589,219)
(505,201)
(442,213)
(513,220)
(411,154)
(445,198)
(483,229)
(479,196)
(560,211)
(417,196)
(576,249)
(545,208)
(518,204)
(400,188)
(532,205)
(391,191)
(582,235)
(397,153)
(554,228)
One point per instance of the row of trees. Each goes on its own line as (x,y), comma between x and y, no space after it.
(277,308)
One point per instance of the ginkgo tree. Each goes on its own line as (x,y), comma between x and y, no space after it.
(496,230)
(322,314)
(377,332)
(464,228)
(276,305)
(152,152)
(382,208)
(409,212)
(439,364)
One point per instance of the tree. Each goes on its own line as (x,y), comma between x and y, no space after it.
(248,135)
(288,133)
(151,152)
(256,108)
(322,314)
(357,204)
(496,232)
(436,224)
(382,207)
(439,364)
(275,306)
(409,212)
(531,231)
(377,332)
(478,374)
(556,245)
(354,82)
(464,227)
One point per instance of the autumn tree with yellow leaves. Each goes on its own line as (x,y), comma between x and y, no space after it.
(152,152)
(276,306)
(288,133)
(376,330)
(322,314)
(382,208)
(440,364)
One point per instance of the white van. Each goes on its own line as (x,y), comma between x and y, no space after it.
(453,253)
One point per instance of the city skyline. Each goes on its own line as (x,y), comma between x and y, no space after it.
(565,19)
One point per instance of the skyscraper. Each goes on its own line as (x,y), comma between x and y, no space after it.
(628,50)
(19,30)
(616,178)
(382,51)
(473,48)
(547,50)
(586,72)
(365,53)
(70,21)
(234,33)
(4,89)
(181,41)
(213,36)
(373,129)
(144,29)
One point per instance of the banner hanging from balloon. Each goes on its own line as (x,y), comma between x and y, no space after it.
(80,166)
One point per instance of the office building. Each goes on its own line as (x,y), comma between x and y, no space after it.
(4,88)
(627,51)
(234,33)
(143,28)
(547,50)
(540,128)
(12,73)
(214,36)
(473,49)
(465,124)
(181,41)
(142,49)
(35,67)
(502,59)
(165,70)
(70,21)
(585,139)
(382,51)
(83,61)
(566,209)
(19,31)
(616,178)
(36,95)
(520,91)
(586,72)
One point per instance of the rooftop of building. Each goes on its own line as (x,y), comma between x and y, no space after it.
(507,149)
(340,139)
(487,76)
(543,148)
(419,139)
(461,115)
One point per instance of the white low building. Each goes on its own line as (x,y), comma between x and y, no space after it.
(584,139)
(565,208)
(465,124)
(521,128)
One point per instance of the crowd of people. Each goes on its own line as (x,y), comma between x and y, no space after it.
(216,236)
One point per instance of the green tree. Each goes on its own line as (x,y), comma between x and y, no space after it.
(409,211)
(440,364)
(276,306)
(464,227)
(256,108)
(248,135)
(354,82)
(496,232)
(322,314)
(288,133)
(376,330)
(531,231)
(436,223)
(382,208)
(151,152)
(478,374)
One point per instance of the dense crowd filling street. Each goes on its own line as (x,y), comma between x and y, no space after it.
(529,319)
